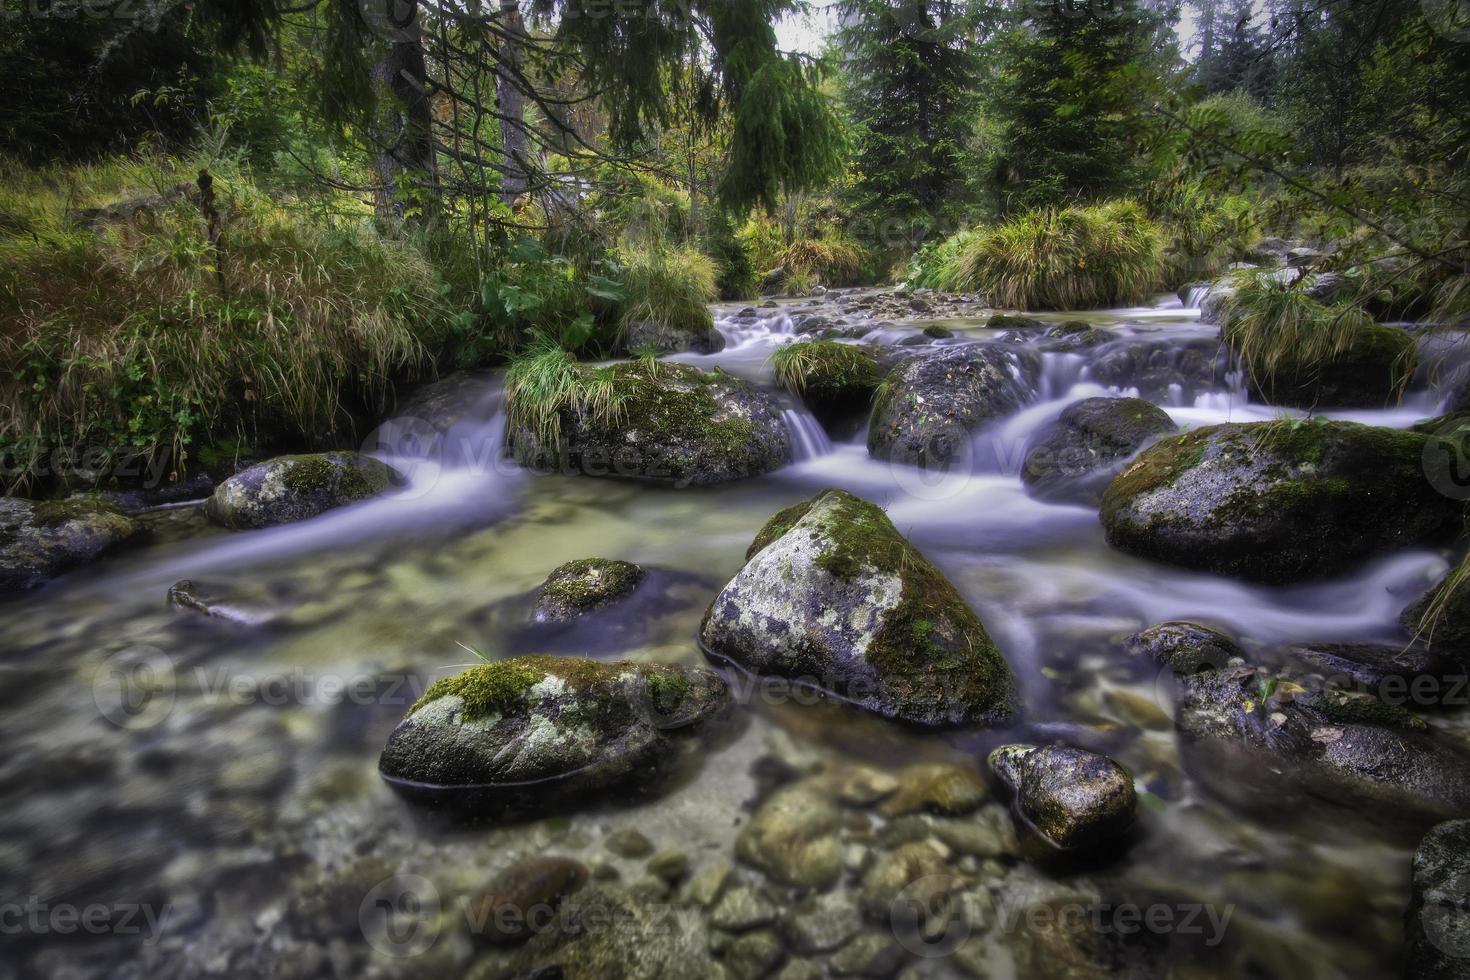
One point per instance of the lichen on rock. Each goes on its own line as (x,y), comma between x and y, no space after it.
(294,488)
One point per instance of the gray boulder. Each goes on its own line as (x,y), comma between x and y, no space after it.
(41,539)
(1184,647)
(646,335)
(1277,502)
(1072,798)
(1440,619)
(529,735)
(675,425)
(1438,926)
(294,488)
(1078,456)
(930,403)
(578,587)
(832,596)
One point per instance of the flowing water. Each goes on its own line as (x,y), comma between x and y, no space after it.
(236,801)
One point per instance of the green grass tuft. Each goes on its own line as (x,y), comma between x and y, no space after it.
(669,287)
(824,365)
(546,381)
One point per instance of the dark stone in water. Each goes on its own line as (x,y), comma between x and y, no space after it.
(1438,926)
(1406,674)
(523,899)
(532,735)
(578,587)
(1073,798)
(294,488)
(1184,647)
(1079,455)
(40,539)
(1440,619)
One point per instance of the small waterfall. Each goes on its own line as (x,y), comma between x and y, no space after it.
(748,327)
(1196,296)
(1059,373)
(808,438)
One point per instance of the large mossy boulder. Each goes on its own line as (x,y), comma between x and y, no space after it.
(294,488)
(1262,738)
(1440,619)
(660,422)
(931,403)
(41,539)
(1437,932)
(1183,646)
(833,597)
(835,380)
(1369,372)
(1277,502)
(530,735)
(1077,457)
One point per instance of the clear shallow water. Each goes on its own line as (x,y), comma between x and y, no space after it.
(241,801)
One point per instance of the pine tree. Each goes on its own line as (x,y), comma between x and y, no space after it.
(911,75)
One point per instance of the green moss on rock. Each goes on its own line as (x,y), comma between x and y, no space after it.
(580,586)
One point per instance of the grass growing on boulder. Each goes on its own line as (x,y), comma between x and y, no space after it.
(1282,334)
(1073,258)
(832,261)
(545,381)
(131,329)
(669,287)
(825,366)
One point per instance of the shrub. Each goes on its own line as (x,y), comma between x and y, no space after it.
(134,332)
(735,277)
(1206,231)
(832,261)
(1074,258)
(671,287)
(825,366)
(545,380)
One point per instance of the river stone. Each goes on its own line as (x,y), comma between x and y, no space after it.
(1073,798)
(294,488)
(532,734)
(936,787)
(873,954)
(1183,646)
(523,898)
(1212,307)
(753,955)
(742,908)
(607,932)
(792,836)
(41,539)
(1277,502)
(1254,732)
(833,596)
(578,587)
(645,336)
(823,923)
(1080,454)
(912,873)
(1173,369)
(1438,927)
(1395,673)
(677,425)
(1440,619)
(246,607)
(928,406)
(1369,373)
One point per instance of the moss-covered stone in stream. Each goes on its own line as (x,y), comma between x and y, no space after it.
(40,539)
(1370,373)
(834,597)
(834,379)
(1277,501)
(294,488)
(1440,619)
(533,734)
(578,587)
(672,424)
(1078,455)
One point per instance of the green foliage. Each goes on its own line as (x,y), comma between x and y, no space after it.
(545,381)
(670,287)
(831,261)
(1069,259)
(1208,230)
(531,296)
(735,276)
(824,365)
(133,334)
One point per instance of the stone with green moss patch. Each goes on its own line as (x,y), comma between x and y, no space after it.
(1078,456)
(578,587)
(834,379)
(665,423)
(834,597)
(40,539)
(294,488)
(530,735)
(1277,501)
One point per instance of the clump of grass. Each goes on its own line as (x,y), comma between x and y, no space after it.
(139,332)
(1206,231)
(833,261)
(1279,331)
(824,365)
(546,381)
(1438,610)
(1067,259)
(671,287)
(799,283)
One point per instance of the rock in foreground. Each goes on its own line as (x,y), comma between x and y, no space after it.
(1438,927)
(529,735)
(1072,798)
(834,597)
(930,404)
(578,587)
(40,539)
(1083,451)
(1277,502)
(294,488)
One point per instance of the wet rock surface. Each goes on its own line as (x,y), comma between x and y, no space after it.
(1184,647)
(294,488)
(1073,798)
(1075,459)
(1438,923)
(833,597)
(579,587)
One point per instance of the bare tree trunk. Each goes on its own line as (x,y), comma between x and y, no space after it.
(514,178)
(406,122)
